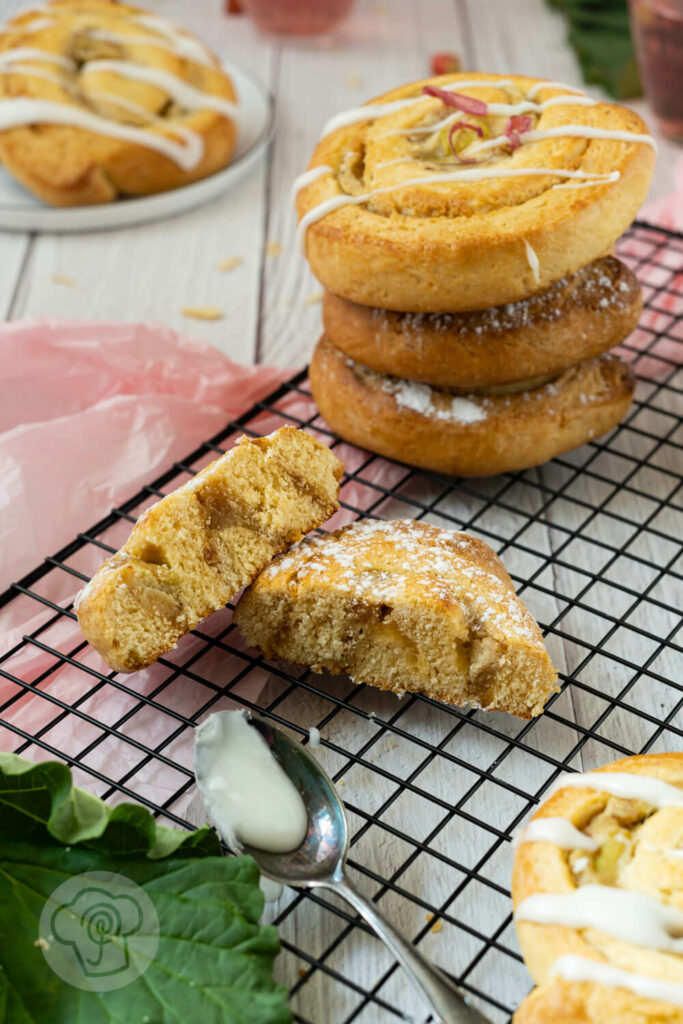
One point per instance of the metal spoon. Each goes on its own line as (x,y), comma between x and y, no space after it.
(319,863)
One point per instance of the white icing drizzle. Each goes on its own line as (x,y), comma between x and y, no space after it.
(308,177)
(523,107)
(185,44)
(49,76)
(665,852)
(532,260)
(623,784)
(168,36)
(579,968)
(465,174)
(38,24)
(161,42)
(628,916)
(371,111)
(559,831)
(184,94)
(30,53)
(552,85)
(186,154)
(569,131)
(133,108)
(23,111)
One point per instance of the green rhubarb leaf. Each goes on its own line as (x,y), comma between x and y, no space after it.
(213,962)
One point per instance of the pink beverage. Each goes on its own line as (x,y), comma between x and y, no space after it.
(658,36)
(298,17)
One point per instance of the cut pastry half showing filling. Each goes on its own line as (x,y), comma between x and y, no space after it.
(404,606)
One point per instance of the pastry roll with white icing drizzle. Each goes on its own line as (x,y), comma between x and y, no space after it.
(461,227)
(101,99)
(598,894)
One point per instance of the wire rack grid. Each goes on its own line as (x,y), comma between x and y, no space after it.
(434,793)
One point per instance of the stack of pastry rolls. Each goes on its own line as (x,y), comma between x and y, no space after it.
(462,228)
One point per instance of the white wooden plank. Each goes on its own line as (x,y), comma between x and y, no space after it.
(14,251)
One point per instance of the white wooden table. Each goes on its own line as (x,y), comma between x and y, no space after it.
(270,302)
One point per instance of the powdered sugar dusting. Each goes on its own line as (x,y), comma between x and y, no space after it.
(386,562)
(603,284)
(431,402)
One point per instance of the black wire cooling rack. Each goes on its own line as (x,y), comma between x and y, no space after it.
(434,793)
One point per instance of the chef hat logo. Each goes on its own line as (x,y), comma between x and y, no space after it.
(97,925)
(99,931)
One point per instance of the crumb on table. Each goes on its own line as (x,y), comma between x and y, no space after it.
(64,279)
(229,263)
(202,312)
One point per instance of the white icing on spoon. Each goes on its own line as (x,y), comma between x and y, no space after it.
(532,260)
(559,831)
(246,793)
(465,174)
(628,916)
(623,784)
(184,94)
(579,968)
(23,111)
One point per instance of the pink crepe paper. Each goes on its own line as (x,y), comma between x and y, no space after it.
(89,412)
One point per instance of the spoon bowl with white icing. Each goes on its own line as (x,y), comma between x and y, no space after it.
(267,796)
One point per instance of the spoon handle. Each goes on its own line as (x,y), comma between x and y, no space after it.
(441,993)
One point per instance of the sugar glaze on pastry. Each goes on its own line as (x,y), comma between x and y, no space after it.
(161,109)
(602,930)
(401,222)
(580,968)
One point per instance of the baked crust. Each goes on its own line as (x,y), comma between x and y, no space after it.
(454,246)
(67,165)
(585,1003)
(494,434)
(403,605)
(576,318)
(633,839)
(197,547)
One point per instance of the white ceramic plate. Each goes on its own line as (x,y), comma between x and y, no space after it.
(21,211)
